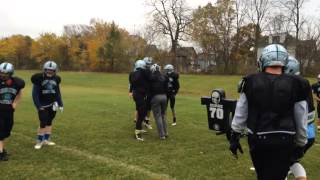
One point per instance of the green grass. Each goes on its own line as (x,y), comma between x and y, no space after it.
(95,136)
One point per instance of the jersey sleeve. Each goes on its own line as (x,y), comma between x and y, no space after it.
(35,95)
(20,83)
(36,79)
(58,78)
(242,85)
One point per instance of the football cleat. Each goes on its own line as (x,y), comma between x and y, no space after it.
(4,156)
(174,124)
(162,138)
(49,143)
(148,126)
(137,135)
(38,145)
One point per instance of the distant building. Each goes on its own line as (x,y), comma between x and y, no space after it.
(186,59)
(284,39)
(205,62)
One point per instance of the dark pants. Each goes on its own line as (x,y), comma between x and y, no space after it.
(141,107)
(271,156)
(46,116)
(172,100)
(6,123)
(159,106)
(309,144)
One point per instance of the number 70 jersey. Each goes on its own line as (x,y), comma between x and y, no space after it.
(219,113)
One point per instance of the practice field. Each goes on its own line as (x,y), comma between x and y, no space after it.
(94,136)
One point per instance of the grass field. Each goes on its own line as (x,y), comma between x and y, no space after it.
(94,136)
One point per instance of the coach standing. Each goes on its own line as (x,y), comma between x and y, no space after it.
(273,108)
(158,92)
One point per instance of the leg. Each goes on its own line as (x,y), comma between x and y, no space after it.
(172,99)
(6,124)
(43,118)
(163,113)
(270,161)
(141,109)
(156,109)
(48,128)
(147,119)
(298,171)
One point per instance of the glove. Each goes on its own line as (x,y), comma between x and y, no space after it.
(61,109)
(235,144)
(297,154)
(55,106)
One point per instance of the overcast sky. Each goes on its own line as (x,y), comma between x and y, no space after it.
(32,17)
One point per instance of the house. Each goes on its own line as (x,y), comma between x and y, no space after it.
(284,39)
(205,62)
(186,58)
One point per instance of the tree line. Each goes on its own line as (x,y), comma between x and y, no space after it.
(228,32)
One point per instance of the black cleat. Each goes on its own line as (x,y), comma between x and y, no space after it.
(4,156)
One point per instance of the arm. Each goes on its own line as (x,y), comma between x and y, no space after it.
(17,100)
(300,118)
(58,96)
(177,85)
(35,96)
(316,97)
(241,114)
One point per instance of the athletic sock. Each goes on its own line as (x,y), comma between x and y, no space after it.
(40,137)
(46,137)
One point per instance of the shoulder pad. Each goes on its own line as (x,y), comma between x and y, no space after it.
(241,85)
(37,78)
(58,78)
(19,82)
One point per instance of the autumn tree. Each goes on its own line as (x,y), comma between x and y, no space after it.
(171,19)
(17,50)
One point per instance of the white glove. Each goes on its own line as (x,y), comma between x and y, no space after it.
(61,109)
(55,106)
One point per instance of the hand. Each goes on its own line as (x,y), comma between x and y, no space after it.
(130,94)
(14,105)
(297,154)
(61,109)
(235,144)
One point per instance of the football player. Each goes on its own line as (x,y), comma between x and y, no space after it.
(140,85)
(10,95)
(316,91)
(273,109)
(173,85)
(47,99)
(297,169)
(146,122)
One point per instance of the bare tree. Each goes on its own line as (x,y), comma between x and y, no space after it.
(257,11)
(169,18)
(279,23)
(240,8)
(294,8)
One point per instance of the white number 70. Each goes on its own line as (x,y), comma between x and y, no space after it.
(218,112)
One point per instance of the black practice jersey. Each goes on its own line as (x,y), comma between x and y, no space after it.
(9,89)
(173,83)
(316,89)
(46,90)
